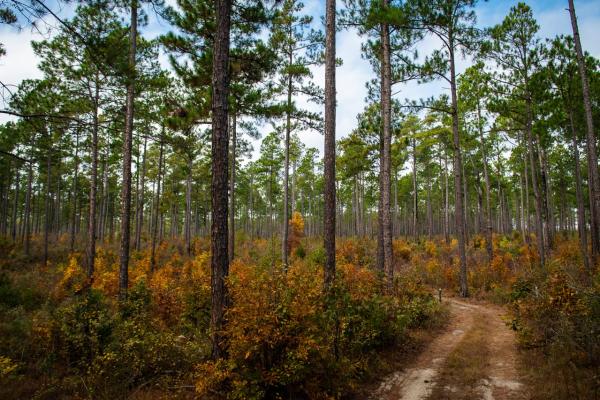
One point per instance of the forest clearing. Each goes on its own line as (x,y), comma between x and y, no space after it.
(265,199)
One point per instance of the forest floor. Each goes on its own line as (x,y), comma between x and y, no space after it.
(474,357)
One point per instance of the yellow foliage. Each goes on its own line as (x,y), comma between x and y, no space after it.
(402,249)
(296,231)
(431,248)
(7,367)
(72,280)
(360,281)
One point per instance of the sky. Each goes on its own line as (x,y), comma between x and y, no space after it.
(552,16)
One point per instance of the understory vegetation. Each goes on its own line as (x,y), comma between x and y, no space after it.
(284,336)
(58,341)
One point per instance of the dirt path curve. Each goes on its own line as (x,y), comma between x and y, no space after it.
(499,377)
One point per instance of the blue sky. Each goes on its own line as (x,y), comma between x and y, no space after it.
(553,18)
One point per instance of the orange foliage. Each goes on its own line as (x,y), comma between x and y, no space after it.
(296,231)
(402,250)
(359,281)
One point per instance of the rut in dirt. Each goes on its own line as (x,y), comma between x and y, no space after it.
(475,357)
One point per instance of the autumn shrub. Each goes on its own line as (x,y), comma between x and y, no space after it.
(402,250)
(558,316)
(296,226)
(286,337)
(140,350)
(357,251)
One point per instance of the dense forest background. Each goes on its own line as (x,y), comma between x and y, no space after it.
(169,227)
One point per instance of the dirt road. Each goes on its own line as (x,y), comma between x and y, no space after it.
(475,357)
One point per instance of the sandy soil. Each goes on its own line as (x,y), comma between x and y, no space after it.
(500,380)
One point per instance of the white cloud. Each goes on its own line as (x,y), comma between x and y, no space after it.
(20,62)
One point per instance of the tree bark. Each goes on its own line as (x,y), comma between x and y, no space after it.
(458,187)
(13,230)
(47,209)
(329,147)
(91,248)
(489,230)
(286,166)
(188,207)
(127,144)
(141,200)
(415,216)
(26,228)
(534,182)
(231,242)
(386,116)
(591,140)
(220,175)
(581,228)
(156,206)
(75,197)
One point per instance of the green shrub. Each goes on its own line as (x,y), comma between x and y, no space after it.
(84,327)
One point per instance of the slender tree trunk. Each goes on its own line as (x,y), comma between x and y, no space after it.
(415,219)
(141,200)
(13,232)
(579,196)
(47,208)
(286,167)
(544,194)
(127,143)
(386,115)
(188,208)
(156,213)
(429,212)
(26,223)
(534,182)
(329,147)
(91,248)
(527,198)
(458,187)
(446,202)
(75,197)
(592,155)
(220,175)
(57,219)
(231,250)
(5,196)
(489,230)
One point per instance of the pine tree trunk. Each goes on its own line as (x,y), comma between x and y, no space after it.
(27,229)
(579,196)
(13,230)
(220,175)
(489,230)
(386,115)
(446,202)
(156,211)
(47,209)
(141,200)
(75,197)
(127,144)
(188,208)
(57,219)
(286,168)
(592,154)
(329,147)
(91,248)
(231,242)
(415,217)
(458,187)
(534,182)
